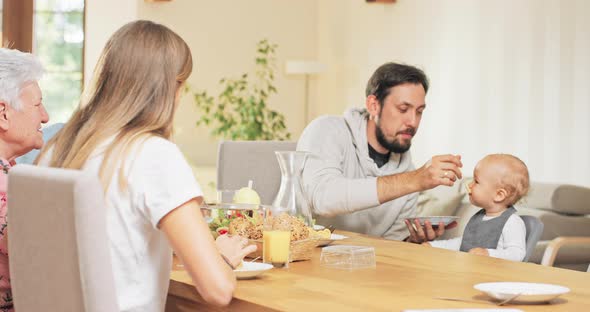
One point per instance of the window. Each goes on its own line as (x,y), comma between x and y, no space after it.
(54,31)
(58,40)
(1,13)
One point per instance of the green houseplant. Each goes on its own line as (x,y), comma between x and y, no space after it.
(240,111)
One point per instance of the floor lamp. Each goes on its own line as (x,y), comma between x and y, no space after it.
(305,68)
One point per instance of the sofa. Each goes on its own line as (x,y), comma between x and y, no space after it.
(564,210)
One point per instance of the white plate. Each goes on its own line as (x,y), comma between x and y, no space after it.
(434,220)
(318,227)
(333,238)
(529,292)
(251,269)
(466,310)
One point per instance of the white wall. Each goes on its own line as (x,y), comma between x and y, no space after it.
(507,76)
(222,35)
(103,18)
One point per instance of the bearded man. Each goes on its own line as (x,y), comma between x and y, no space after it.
(359,176)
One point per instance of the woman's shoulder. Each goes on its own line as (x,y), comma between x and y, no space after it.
(156,149)
(157,142)
(161,160)
(156,146)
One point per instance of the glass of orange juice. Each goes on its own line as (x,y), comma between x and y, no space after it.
(276,242)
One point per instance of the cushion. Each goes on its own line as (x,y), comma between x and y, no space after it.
(440,201)
(428,205)
(561,198)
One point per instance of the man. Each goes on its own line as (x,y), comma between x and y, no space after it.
(360,176)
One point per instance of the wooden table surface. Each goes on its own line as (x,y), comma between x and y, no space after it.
(407,276)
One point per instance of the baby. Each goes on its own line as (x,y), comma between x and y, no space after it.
(499,181)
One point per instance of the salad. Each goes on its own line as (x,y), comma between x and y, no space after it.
(220,225)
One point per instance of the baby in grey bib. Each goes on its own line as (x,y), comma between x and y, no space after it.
(499,181)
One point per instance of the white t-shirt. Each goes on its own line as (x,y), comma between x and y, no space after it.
(159,180)
(511,246)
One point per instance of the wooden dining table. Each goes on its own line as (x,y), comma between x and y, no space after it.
(406,276)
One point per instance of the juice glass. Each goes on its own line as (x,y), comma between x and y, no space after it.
(276,242)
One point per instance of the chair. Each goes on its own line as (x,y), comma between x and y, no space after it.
(59,253)
(534,229)
(240,161)
(555,245)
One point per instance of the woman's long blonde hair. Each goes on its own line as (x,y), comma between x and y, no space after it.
(132,95)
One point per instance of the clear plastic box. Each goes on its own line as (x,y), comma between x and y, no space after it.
(348,257)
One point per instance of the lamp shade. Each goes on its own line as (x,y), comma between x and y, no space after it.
(304,67)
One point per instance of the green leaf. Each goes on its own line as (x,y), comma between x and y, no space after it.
(240,111)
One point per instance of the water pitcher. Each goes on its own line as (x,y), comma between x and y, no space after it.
(291,197)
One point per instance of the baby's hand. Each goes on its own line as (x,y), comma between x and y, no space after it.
(479,251)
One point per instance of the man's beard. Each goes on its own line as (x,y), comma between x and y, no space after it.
(394,146)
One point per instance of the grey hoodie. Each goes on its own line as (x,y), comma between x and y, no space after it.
(340,179)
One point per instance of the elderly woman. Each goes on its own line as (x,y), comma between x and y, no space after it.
(21,116)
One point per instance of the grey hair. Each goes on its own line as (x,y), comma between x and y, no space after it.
(16,69)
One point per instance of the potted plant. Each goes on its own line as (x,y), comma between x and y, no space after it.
(240,111)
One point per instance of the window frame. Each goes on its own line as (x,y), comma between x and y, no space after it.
(17,27)
(17,24)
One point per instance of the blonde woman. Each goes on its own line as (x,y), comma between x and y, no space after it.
(121,131)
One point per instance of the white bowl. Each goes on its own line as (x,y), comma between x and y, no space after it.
(528,292)
(252,269)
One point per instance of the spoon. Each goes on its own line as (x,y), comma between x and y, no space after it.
(503,302)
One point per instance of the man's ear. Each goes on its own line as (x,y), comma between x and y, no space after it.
(501,195)
(4,116)
(373,106)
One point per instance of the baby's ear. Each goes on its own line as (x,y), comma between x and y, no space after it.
(501,195)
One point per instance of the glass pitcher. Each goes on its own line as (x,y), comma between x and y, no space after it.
(291,197)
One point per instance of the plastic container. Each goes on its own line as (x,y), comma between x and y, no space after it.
(348,257)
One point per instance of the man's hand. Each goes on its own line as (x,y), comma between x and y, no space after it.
(440,170)
(479,251)
(420,234)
